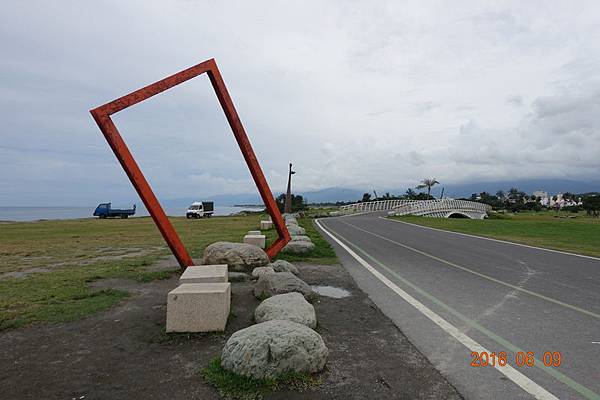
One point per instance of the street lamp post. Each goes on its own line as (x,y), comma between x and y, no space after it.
(288,196)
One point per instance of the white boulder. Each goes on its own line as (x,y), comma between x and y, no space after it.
(239,257)
(272,348)
(298,247)
(284,266)
(296,230)
(258,271)
(301,238)
(281,282)
(289,307)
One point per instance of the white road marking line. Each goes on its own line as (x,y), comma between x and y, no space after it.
(514,287)
(515,376)
(492,239)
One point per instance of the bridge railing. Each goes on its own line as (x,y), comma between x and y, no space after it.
(371,206)
(417,207)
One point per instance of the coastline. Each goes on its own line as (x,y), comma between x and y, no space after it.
(32,214)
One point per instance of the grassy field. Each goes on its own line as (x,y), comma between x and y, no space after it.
(323,252)
(46,266)
(574,233)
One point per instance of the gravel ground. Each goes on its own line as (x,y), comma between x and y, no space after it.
(123,353)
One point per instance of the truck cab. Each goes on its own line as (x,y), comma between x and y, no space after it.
(200,209)
(105,210)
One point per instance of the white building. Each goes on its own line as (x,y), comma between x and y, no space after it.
(543,196)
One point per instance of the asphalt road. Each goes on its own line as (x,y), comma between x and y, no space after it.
(451,294)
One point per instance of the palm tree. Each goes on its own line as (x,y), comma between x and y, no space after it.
(427,183)
(513,193)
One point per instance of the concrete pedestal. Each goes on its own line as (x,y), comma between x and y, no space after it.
(257,240)
(266,225)
(205,274)
(198,307)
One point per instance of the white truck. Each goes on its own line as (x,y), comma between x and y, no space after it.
(200,209)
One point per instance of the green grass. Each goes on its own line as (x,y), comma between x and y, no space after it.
(550,230)
(233,386)
(74,253)
(77,252)
(323,253)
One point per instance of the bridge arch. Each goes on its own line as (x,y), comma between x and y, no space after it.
(444,208)
(457,214)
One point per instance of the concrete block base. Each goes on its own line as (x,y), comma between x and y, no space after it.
(257,240)
(266,225)
(198,307)
(205,274)
(254,233)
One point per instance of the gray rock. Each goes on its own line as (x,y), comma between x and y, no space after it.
(295,230)
(298,247)
(291,221)
(289,307)
(240,257)
(301,238)
(271,348)
(258,271)
(238,277)
(281,282)
(284,266)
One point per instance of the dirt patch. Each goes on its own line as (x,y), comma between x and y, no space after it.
(23,273)
(109,254)
(123,353)
(113,255)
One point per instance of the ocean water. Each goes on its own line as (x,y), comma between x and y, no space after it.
(37,213)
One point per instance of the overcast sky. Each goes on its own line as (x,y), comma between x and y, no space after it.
(367,95)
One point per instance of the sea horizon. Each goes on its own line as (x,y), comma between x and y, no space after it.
(37,213)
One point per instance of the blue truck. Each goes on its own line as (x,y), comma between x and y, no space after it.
(105,211)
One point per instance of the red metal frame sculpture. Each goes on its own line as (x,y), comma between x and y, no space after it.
(102,116)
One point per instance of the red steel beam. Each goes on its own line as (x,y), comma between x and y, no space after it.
(117,144)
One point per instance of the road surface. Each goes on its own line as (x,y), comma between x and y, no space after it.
(453,294)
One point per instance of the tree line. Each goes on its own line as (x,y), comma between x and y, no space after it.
(516,200)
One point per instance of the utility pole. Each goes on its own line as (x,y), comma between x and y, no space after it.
(288,196)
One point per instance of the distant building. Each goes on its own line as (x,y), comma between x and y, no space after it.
(556,201)
(543,196)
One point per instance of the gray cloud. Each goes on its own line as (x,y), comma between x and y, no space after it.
(354,94)
(515,100)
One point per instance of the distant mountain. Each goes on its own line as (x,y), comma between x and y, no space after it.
(334,194)
(552,186)
(316,196)
(331,195)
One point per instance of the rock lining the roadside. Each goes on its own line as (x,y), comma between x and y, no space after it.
(279,283)
(290,307)
(284,266)
(239,257)
(270,349)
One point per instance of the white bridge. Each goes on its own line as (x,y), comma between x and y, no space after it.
(444,208)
